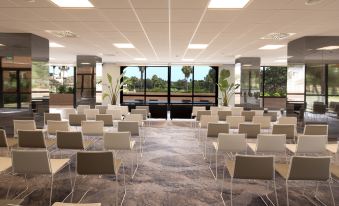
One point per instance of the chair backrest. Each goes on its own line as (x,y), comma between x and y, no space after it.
(124,110)
(314,129)
(106,118)
(213,129)
(234,121)
(215,109)
(202,112)
(117,140)
(254,167)
(264,121)
(116,113)
(311,144)
(67,111)
(205,119)
(195,110)
(70,140)
(23,125)
(3,138)
(251,130)
(223,114)
(31,139)
(288,120)
(143,112)
(309,168)
(129,126)
(143,107)
(92,128)
(248,115)
(236,111)
(54,126)
(271,143)
(232,142)
(95,163)
(30,162)
(52,116)
(288,129)
(273,115)
(111,106)
(102,109)
(76,119)
(81,108)
(135,117)
(91,113)
(259,112)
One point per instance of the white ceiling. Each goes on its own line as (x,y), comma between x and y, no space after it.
(162,29)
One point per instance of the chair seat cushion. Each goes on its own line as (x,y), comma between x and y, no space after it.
(292,147)
(253,146)
(333,148)
(58,164)
(5,164)
(282,169)
(335,170)
(11,142)
(230,165)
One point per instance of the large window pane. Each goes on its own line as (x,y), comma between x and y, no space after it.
(181,84)
(134,87)
(156,84)
(295,82)
(204,84)
(315,84)
(333,79)
(250,87)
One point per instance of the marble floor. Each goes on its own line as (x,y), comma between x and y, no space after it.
(172,171)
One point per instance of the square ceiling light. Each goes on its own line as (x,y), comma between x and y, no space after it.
(73,3)
(187,60)
(140,59)
(55,45)
(271,46)
(328,48)
(124,45)
(197,46)
(227,4)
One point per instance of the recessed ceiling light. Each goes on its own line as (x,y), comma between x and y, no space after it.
(85,63)
(197,46)
(277,36)
(247,65)
(281,60)
(227,4)
(187,60)
(73,3)
(2,45)
(51,58)
(328,48)
(140,59)
(124,45)
(237,56)
(271,47)
(55,45)
(313,2)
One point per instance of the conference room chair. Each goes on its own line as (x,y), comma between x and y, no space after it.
(213,131)
(195,110)
(144,107)
(116,115)
(203,123)
(274,144)
(248,115)
(288,129)
(215,109)
(54,126)
(76,119)
(107,119)
(273,115)
(305,168)
(258,112)
(198,116)
(309,145)
(71,140)
(23,125)
(81,108)
(251,130)
(34,139)
(99,163)
(51,116)
(102,109)
(7,143)
(236,111)
(332,148)
(121,141)
(143,112)
(234,121)
(315,129)
(91,113)
(264,121)
(111,107)
(288,120)
(134,129)
(140,119)
(38,162)
(124,110)
(229,145)
(66,112)
(251,167)
(223,114)
(92,129)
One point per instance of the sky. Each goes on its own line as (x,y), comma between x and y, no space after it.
(161,72)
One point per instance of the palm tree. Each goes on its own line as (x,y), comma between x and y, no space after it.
(142,71)
(187,70)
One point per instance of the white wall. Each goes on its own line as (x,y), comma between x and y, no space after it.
(231,68)
(114,70)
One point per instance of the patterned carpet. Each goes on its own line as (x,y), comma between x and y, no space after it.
(172,171)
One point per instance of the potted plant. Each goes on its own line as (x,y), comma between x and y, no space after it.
(227,90)
(114,91)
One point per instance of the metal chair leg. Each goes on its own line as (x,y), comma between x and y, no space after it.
(51,193)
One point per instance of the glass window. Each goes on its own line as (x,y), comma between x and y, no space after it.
(315,84)
(98,76)
(295,82)
(40,79)
(250,86)
(134,88)
(204,84)
(333,79)
(181,84)
(156,84)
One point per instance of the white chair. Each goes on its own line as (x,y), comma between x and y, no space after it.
(309,144)
(118,141)
(66,112)
(51,116)
(72,141)
(195,109)
(269,144)
(203,123)
(102,109)
(37,162)
(124,110)
(116,115)
(81,108)
(133,128)
(288,129)
(316,129)
(288,120)
(234,121)
(259,112)
(228,144)
(236,111)
(91,113)
(264,121)
(144,107)
(199,114)
(23,125)
(303,168)
(215,109)
(92,128)
(54,126)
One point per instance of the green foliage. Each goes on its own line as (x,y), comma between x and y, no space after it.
(227,90)
(70,90)
(275,84)
(114,90)
(62,89)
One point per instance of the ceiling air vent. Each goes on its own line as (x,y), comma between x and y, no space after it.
(62,34)
(313,2)
(277,36)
